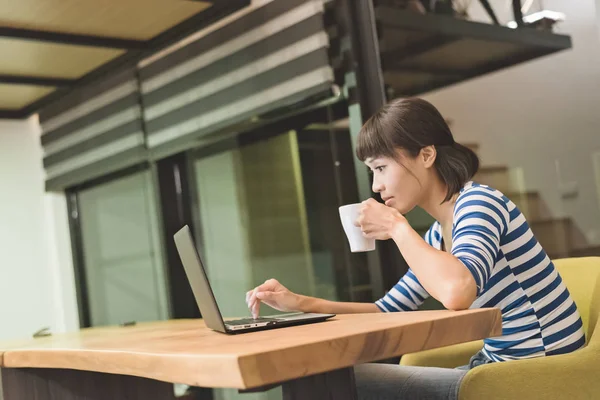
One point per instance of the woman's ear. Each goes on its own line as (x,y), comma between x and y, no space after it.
(428,155)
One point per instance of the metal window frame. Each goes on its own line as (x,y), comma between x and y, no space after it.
(76,234)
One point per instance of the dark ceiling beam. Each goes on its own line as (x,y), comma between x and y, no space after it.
(36,80)
(71,38)
(193,24)
(11,114)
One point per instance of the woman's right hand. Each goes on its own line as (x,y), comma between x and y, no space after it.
(273,294)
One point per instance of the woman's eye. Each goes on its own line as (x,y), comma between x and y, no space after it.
(380,169)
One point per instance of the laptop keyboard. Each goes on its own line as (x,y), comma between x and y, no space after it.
(245,321)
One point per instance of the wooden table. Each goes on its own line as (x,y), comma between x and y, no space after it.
(310,361)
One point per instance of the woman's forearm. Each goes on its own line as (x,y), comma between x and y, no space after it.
(316,305)
(442,275)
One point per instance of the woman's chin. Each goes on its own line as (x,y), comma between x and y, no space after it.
(403,209)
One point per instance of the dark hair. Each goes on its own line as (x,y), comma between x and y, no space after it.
(411,124)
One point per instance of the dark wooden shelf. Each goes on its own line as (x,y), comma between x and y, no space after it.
(420,53)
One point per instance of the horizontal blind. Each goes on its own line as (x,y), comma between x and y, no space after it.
(93,131)
(270,58)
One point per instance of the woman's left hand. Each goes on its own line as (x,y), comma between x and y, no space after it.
(378,221)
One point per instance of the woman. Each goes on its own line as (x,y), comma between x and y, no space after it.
(479,253)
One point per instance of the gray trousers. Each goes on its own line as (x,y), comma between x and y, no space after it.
(392,382)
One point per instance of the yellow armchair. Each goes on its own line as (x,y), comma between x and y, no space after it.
(569,376)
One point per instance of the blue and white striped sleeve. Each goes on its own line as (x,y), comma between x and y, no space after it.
(408,294)
(480,220)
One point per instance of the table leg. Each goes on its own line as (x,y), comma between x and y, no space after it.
(63,384)
(334,385)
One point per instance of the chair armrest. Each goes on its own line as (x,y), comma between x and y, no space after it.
(568,376)
(443,357)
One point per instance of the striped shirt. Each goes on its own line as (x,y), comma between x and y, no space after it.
(491,237)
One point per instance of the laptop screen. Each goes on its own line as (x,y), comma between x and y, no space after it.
(198,280)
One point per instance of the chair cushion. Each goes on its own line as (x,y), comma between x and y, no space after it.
(582,278)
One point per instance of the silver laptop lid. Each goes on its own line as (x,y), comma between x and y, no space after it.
(198,280)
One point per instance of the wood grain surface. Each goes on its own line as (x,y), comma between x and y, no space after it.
(185,351)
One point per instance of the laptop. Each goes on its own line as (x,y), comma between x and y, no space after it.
(207,304)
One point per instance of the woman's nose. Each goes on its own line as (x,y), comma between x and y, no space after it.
(377,186)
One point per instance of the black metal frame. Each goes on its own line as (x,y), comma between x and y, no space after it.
(109,177)
(450,77)
(443,30)
(367,60)
(390,58)
(518,14)
(172,179)
(137,50)
(490,11)
(81,290)
(11,114)
(36,80)
(449,26)
(357,29)
(71,38)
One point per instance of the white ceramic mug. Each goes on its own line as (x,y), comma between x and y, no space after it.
(349,215)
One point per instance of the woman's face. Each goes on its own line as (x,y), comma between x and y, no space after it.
(400,182)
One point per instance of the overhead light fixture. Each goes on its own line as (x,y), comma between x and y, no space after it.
(543,19)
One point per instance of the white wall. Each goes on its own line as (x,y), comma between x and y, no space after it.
(36,278)
(536,114)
